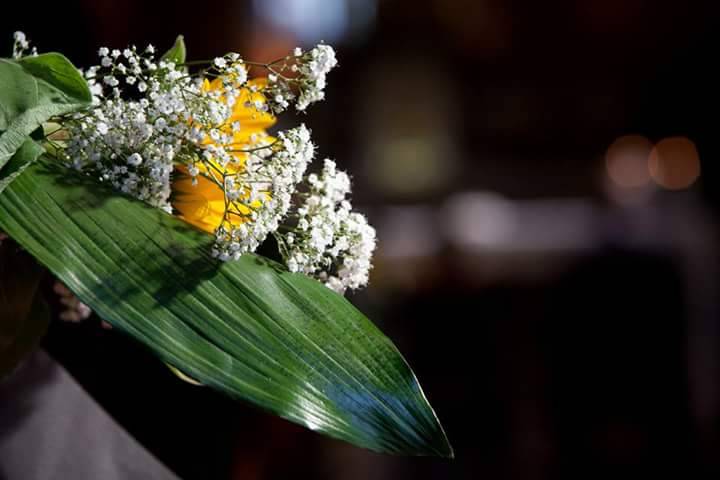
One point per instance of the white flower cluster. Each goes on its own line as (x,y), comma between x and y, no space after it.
(133,144)
(261,193)
(307,74)
(313,72)
(330,241)
(122,146)
(21,45)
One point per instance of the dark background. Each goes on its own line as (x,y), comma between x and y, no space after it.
(543,179)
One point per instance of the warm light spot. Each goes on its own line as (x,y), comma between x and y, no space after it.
(626,161)
(674,163)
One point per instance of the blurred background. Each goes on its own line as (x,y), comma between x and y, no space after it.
(544,182)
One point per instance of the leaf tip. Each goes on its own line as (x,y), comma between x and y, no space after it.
(177,52)
(441,446)
(446,450)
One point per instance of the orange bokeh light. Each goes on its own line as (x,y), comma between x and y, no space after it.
(674,163)
(626,161)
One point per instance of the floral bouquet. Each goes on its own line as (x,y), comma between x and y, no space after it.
(146,184)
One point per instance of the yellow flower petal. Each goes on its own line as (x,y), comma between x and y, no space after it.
(203,204)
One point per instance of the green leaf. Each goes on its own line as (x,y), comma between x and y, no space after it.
(26,154)
(24,316)
(58,72)
(177,53)
(279,340)
(32,90)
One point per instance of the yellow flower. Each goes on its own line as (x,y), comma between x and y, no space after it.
(203,204)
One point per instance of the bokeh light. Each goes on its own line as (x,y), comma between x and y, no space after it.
(626,161)
(674,163)
(315,20)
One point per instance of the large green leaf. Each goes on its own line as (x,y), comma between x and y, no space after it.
(279,340)
(32,90)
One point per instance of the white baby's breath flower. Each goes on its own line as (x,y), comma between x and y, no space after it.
(240,74)
(21,39)
(312,68)
(314,72)
(276,170)
(332,243)
(20,45)
(135,159)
